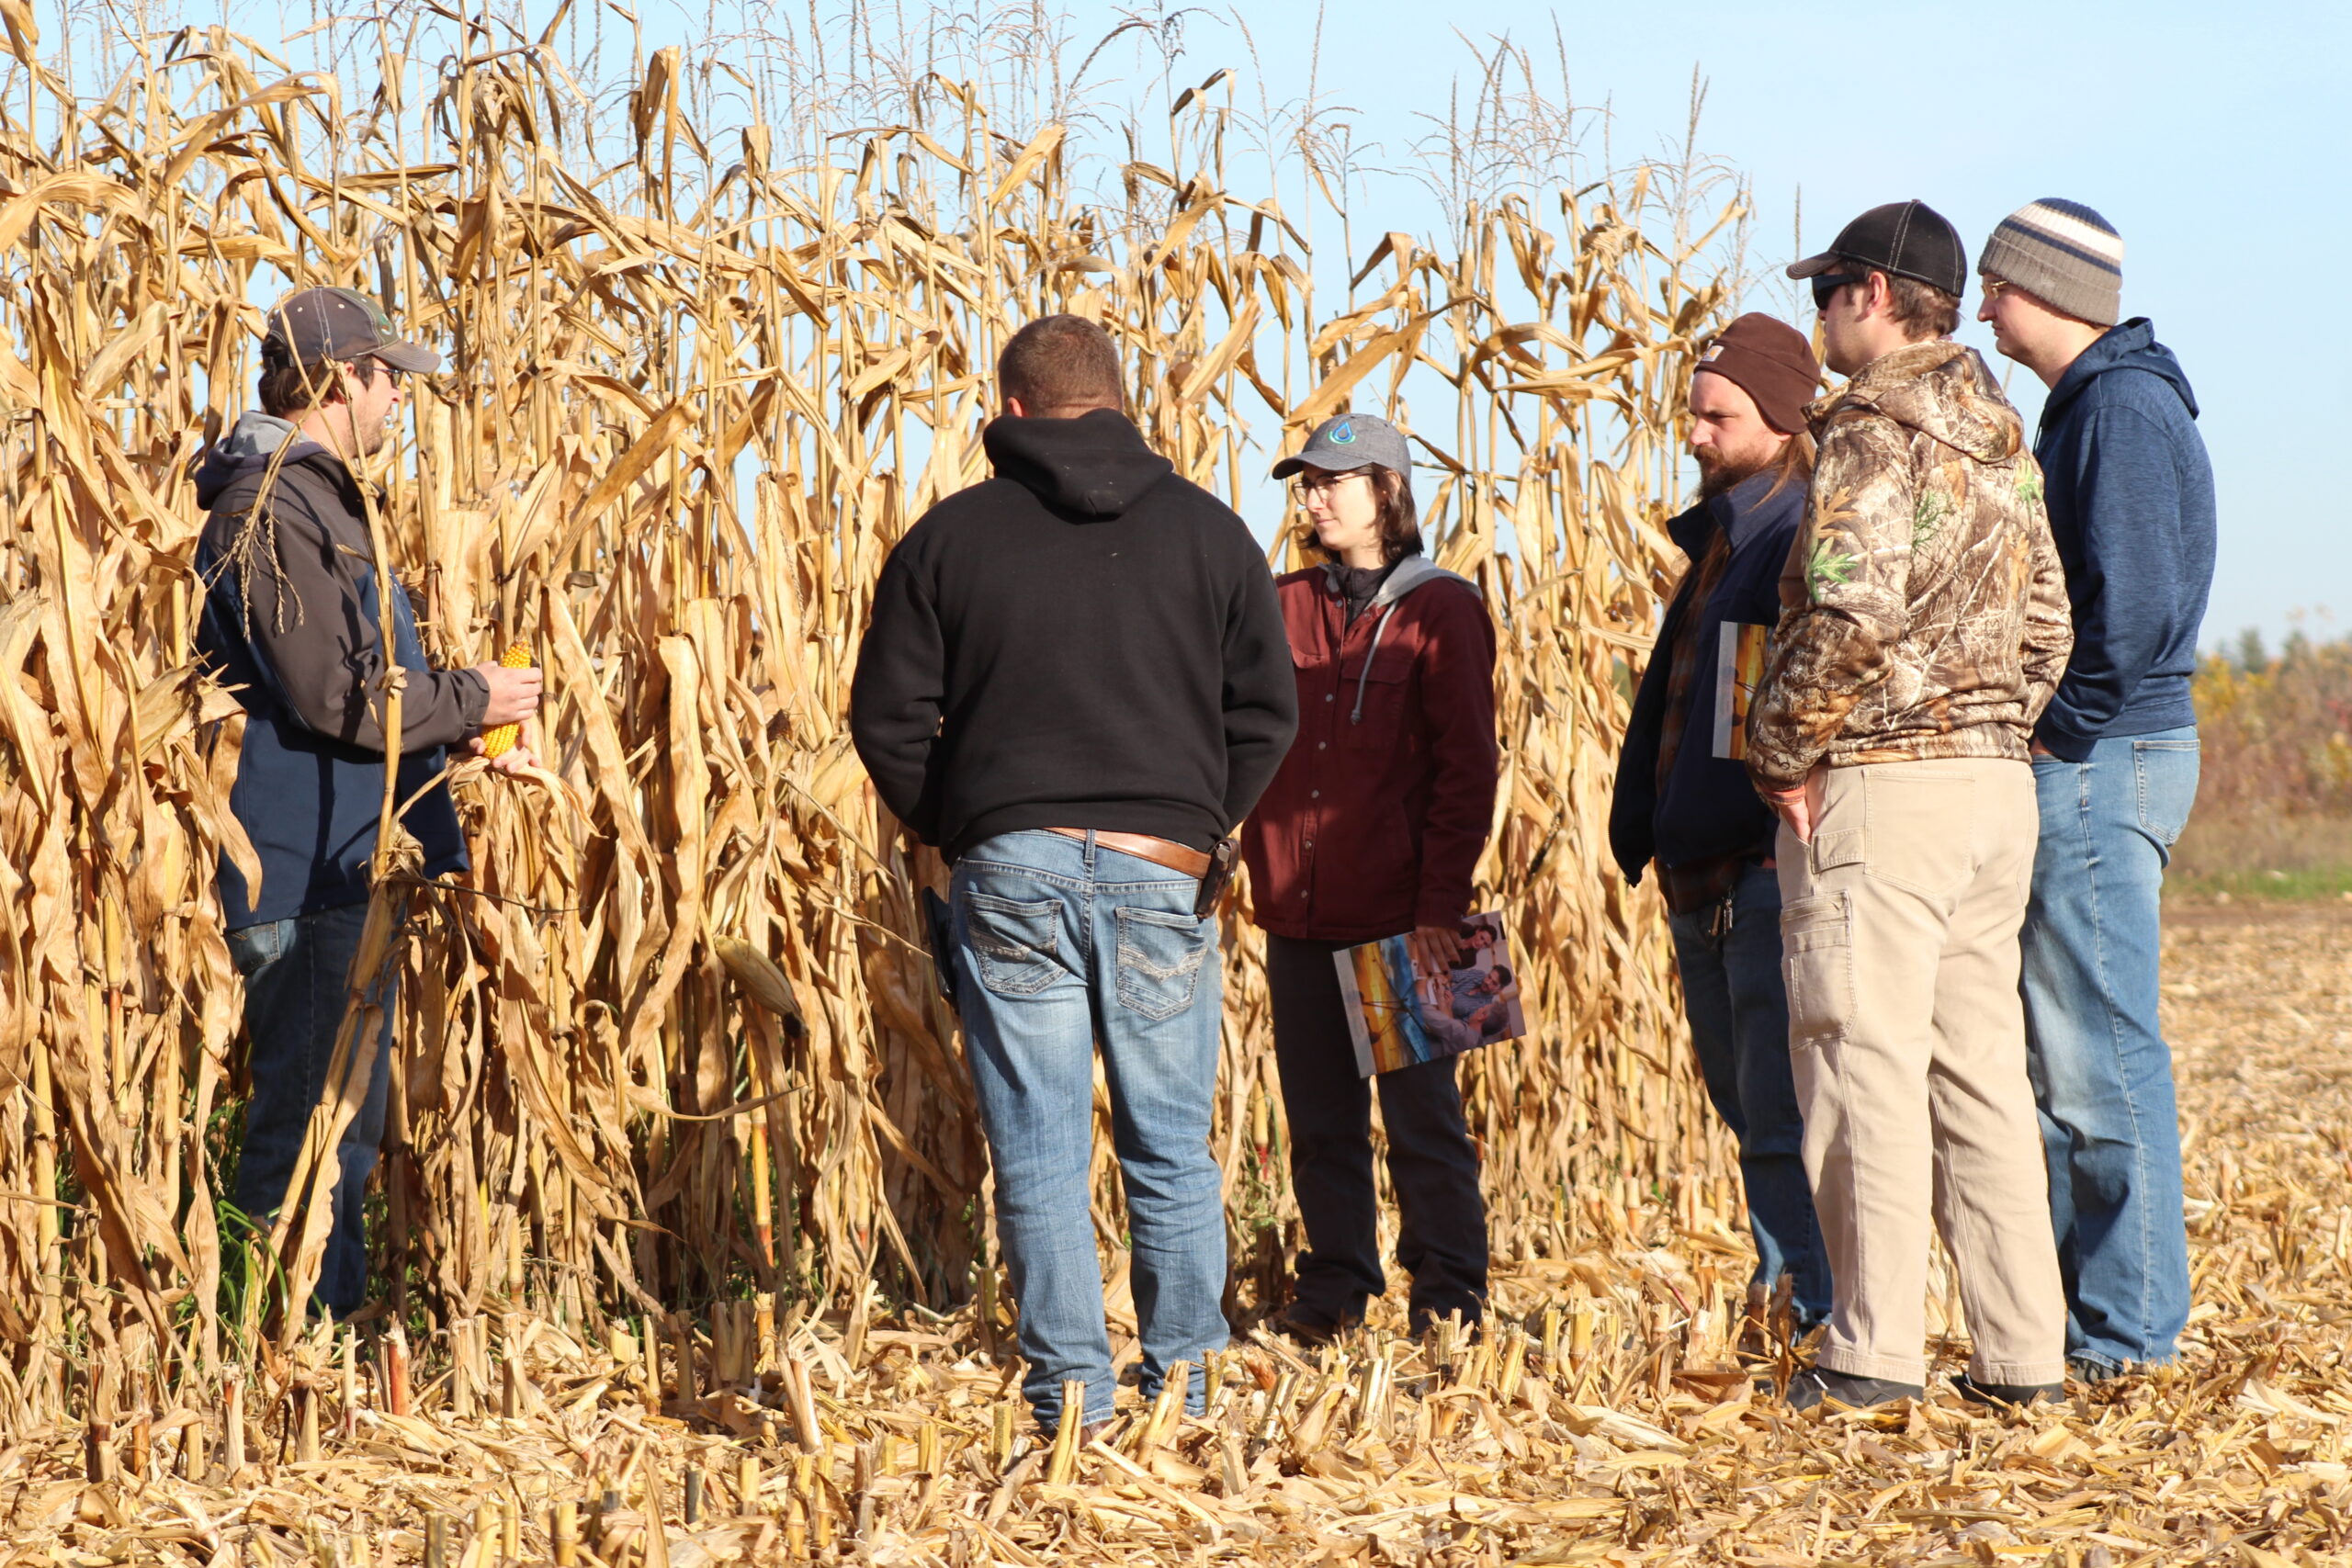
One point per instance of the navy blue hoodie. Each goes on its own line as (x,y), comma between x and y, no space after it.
(2131,499)
(290,626)
(1708,809)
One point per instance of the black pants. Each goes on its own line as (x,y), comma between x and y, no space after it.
(1441,1239)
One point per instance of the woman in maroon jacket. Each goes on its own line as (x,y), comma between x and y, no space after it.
(1372,828)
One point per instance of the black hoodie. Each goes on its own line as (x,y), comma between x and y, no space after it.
(1085,641)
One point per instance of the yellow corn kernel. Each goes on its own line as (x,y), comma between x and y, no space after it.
(499,742)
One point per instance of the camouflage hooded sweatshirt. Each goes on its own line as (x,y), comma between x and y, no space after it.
(1923,609)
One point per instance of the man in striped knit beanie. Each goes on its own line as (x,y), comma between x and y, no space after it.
(2131,499)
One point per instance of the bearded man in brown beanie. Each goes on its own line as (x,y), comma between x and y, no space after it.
(1683,797)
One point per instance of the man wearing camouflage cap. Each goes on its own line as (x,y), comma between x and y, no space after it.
(290,624)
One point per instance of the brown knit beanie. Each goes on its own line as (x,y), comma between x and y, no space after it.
(1771,362)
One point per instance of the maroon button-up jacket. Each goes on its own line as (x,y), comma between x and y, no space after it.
(1375,821)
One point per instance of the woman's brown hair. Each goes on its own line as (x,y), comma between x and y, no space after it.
(1399,524)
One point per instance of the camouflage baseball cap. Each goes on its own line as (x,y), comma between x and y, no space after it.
(338,324)
(1351,440)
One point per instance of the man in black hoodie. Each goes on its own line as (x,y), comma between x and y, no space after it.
(1076,684)
(290,624)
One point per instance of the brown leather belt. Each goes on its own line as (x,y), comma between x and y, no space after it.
(1176,857)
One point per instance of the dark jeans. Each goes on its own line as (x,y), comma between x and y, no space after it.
(1441,1239)
(296,972)
(1739,1009)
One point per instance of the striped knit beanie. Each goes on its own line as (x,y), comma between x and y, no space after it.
(2064,254)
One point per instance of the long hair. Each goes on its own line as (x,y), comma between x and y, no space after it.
(1793,466)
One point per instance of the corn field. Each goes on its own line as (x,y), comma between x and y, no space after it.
(672,1043)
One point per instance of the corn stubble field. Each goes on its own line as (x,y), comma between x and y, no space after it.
(683,1223)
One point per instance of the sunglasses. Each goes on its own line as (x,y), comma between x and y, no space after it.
(1825,286)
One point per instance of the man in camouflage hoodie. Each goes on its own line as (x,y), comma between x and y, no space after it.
(1924,626)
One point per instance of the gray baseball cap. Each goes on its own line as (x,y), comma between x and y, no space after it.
(1351,440)
(339,324)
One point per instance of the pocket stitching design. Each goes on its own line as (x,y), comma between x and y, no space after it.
(993,948)
(1134,960)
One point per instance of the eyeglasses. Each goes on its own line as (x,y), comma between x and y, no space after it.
(1826,286)
(1316,484)
(1993,286)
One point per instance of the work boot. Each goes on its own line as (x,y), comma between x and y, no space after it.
(1815,1384)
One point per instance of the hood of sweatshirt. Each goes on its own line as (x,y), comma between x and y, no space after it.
(1942,390)
(1088,468)
(2130,346)
(1415,571)
(1403,575)
(249,445)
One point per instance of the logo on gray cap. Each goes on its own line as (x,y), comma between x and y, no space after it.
(1351,440)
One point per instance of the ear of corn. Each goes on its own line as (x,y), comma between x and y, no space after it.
(499,739)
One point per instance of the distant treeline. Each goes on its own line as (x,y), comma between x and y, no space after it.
(2274,804)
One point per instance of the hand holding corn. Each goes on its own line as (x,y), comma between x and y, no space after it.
(515,689)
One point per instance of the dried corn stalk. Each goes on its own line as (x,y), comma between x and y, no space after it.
(675,1038)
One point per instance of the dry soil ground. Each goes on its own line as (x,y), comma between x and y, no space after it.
(1605,1429)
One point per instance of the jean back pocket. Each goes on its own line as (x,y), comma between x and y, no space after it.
(254,948)
(1015,942)
(2164,773)
(1160,954)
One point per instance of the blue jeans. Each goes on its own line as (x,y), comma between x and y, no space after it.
(1738,1008)
(296,974)
(2102,1074)
(1062,947)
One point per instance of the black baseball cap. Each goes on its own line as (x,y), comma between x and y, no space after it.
(340,324)
(1906,239)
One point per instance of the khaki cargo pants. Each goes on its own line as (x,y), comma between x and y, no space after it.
(1899,944)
